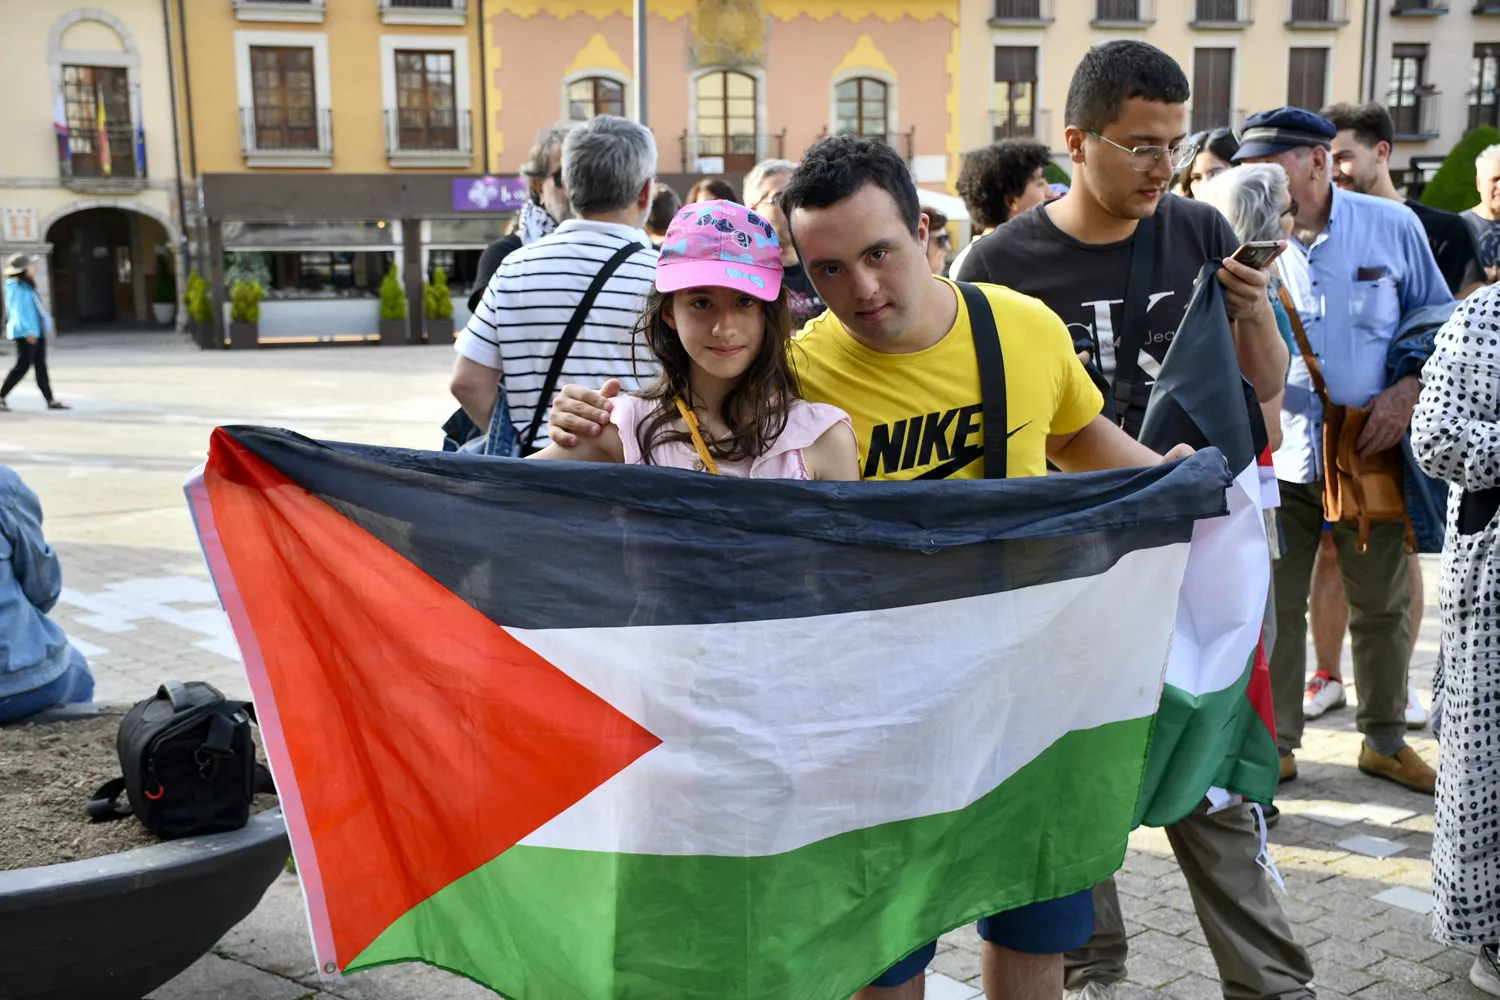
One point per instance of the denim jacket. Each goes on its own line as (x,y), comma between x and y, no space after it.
(33,649)
(24,313)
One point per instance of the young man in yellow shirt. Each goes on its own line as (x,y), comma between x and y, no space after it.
(896,352)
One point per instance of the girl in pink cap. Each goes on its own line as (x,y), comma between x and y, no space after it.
(726,401)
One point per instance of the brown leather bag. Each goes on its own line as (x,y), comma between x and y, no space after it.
(1356,489)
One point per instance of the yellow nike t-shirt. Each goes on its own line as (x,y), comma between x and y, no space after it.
(920,415)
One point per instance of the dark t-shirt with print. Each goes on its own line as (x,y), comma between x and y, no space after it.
(801,297)
(1084,283)
(1452,245)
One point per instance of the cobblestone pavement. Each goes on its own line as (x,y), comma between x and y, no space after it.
(110,474)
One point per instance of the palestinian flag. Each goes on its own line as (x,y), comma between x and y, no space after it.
(597,732)
(1216,727)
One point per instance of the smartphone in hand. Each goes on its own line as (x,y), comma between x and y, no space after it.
(1259,253)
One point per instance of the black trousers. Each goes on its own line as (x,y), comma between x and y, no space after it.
(27,356)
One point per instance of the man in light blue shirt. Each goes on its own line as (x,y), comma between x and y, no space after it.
(1358,263)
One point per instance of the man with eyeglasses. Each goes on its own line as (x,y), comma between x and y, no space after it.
(1126,111)
(1365,263)
(762,191)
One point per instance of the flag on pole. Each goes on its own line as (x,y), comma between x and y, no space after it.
(105,161)
(1216,727)
(609,732)
(60,126)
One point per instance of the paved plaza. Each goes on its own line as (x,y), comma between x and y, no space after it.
(1354,851)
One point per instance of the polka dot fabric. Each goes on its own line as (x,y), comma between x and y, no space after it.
(1456,436)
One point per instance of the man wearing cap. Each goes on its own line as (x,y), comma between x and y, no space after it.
(1358,263)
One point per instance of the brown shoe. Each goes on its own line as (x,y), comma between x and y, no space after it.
(1406,768)
(1288,768)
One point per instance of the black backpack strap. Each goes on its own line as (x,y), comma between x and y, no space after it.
(565,344)
(991,380)
(264,783)
(176,693)
(1133,331)
(102,804)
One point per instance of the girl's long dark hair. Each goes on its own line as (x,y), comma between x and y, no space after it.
(755,410)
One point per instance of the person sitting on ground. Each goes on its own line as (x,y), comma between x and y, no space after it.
(726,398)
(938,240)
(998,183)
(664,208)
(710,189)
(38,666)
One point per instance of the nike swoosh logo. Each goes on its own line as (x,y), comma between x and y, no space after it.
(965,457)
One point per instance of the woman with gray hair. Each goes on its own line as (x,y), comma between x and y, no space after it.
(1256,200)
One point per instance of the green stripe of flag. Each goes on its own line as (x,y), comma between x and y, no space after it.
(549,924)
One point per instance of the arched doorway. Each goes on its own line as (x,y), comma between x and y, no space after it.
(104,267)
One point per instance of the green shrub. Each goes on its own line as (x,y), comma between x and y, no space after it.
(244,301)
(1453,186)
(166,281)
(392,298)
(437,298)
(1056,175)
(196,301)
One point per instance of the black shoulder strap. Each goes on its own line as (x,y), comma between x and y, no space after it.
(570,334)
(1133,332)
(101,807)
(991,380)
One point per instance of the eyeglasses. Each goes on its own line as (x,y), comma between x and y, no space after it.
(774,199)
(943,240)
(1144,158)
(557,177)
(1292,208)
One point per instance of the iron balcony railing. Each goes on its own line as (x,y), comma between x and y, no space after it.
(276,130)
(1414,113)
(904,143)
(1124,12)
(292,4)
(697,147)
(1419,7)
(456,6)
(1024,11)
(117,153)
(1006,124)
(1316,13)
(1222,13)
(428,130)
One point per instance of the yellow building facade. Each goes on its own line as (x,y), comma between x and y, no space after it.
(88,182)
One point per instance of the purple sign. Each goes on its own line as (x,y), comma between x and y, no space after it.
(488,194)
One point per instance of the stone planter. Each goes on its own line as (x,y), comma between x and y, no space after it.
(244,336)
(440,331)
(116,927)
(164,311)
(392,332)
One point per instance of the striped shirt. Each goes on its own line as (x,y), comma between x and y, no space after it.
(532,297)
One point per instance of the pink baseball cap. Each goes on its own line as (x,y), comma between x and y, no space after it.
(720,244)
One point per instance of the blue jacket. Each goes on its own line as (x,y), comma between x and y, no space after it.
(33,649)
(24,314)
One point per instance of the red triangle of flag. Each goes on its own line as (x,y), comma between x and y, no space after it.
(426,740)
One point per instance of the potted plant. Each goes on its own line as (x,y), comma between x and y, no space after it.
(200,309)
(439,303)
(244,314)
(392,310)
(164,303)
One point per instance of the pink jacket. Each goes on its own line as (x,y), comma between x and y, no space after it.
(805,424)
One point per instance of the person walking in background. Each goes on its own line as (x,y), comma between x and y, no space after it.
(710,189)
(1368,263)
(1216,149)
(763,187)
(609,167)
(938,240)
(545,208)
(38,666)
(1484,218)
(1454,436)
(664,208)
(27,323)
(999,182)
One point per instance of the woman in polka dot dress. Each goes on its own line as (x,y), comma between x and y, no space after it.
(1456,436)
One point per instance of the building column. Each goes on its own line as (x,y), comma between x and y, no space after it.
(140,296)
(411,246)
(216,280)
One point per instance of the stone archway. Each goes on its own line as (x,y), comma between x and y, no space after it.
(104,262)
